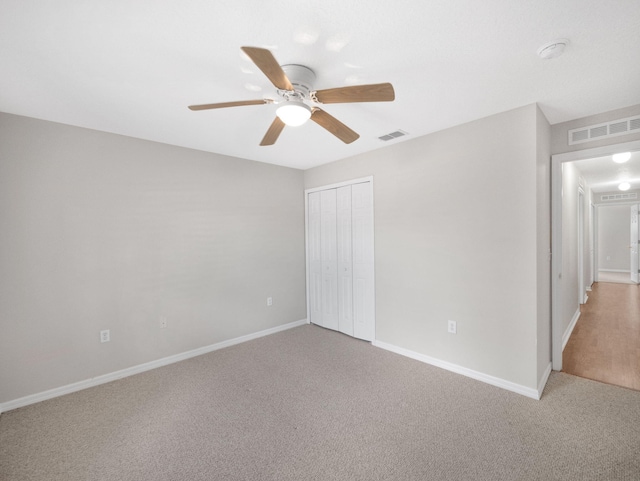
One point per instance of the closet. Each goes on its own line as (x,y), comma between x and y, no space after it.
(340,260)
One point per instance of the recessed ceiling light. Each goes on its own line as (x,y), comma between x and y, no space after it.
(621,158)
(624,186)
(553,49)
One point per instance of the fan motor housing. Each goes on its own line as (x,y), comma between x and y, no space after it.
(301,78)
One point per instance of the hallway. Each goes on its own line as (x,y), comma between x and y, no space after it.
(605,344)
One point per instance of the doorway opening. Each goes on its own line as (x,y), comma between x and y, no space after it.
(617,242)
(575,260)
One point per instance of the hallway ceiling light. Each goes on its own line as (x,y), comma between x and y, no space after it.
(624,186)
(621,158)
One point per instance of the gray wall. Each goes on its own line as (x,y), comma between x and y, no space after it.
(440,255)
(570,285)
(613,237)
(543,240)
(101,231)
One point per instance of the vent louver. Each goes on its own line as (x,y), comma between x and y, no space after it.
(610,197)
(393,135)
(603,131)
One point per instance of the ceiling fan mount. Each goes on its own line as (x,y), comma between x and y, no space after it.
(299,102)
(302,79)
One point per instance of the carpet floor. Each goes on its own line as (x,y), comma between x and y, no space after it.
(312,404)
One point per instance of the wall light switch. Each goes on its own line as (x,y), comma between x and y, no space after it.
(105,336)
(269,301)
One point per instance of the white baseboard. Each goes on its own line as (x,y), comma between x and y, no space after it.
(130,371)
(479,376)
(570,327)
(544,379)
(614,270)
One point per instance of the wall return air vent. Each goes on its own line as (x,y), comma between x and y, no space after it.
(610,197)
(606,130)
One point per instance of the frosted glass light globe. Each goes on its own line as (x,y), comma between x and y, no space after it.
(294,113)
(621,158)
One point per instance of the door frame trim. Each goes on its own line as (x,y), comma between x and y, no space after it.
(633,269)
(581,284)
(360,180)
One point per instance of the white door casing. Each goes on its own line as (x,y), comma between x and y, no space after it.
(633,242)
(581,287)
(592,245)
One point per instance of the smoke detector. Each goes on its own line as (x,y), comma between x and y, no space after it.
(553,49)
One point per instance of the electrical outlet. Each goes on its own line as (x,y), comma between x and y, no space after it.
(269,301)
(105,336)
(452,327)
(163,322)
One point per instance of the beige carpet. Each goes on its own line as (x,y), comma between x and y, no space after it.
(311,404)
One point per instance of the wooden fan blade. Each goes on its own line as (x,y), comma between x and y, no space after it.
(266,62)
(334,126)
(357,93)
(273,133)
(229,104)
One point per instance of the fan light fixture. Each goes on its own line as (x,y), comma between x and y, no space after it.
(297,101)
(624,186)
(621,158)
(294,113)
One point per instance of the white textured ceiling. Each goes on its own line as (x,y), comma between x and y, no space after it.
(132,66)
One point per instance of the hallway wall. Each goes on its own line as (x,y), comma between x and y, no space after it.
(613,237)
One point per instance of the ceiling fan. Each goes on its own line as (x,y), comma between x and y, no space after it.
(298,102)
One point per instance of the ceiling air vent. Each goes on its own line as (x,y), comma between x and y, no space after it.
(603,131)
(610,197)
(393,135)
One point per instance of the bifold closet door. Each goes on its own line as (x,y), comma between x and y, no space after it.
(363,262)
(340,250)
(329,261)
(345,261)
(323,267)
(314,247)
